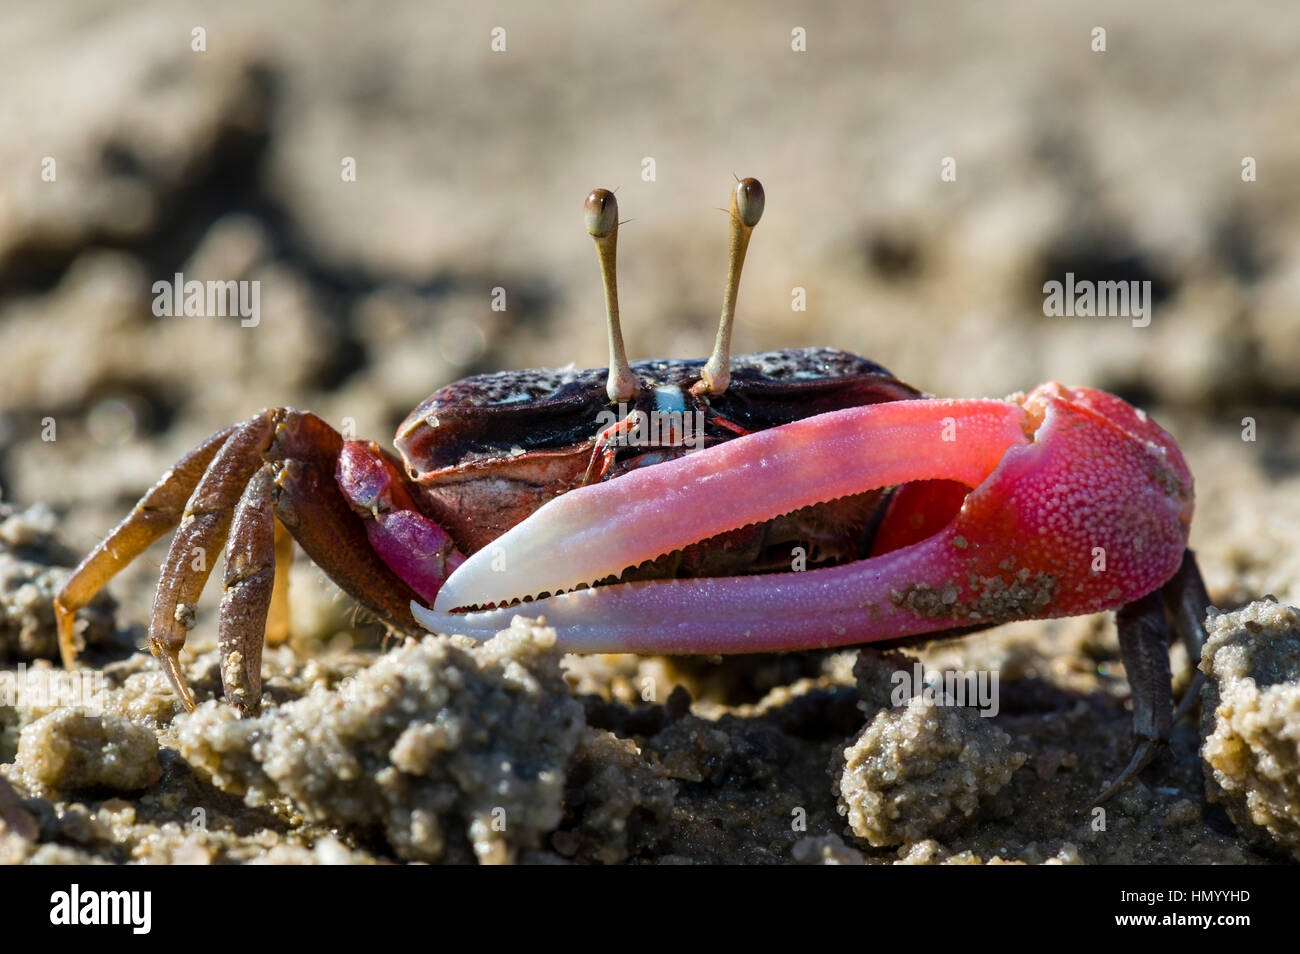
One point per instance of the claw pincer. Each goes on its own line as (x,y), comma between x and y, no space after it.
(1077,503)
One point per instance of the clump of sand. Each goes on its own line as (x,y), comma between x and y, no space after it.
(1251,714)
(72,749)
(453,751)
(923,769)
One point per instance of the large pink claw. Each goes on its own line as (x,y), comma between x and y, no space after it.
(1079,503)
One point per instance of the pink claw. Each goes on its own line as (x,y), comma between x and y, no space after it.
(1080,504)
(415,548)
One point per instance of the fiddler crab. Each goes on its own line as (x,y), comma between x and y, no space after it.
(818,502)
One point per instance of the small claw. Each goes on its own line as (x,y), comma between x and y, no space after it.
(1079,504)
(419,551)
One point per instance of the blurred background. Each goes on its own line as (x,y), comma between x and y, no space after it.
(472,163)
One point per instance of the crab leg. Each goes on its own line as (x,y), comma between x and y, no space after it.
(157,512)
(1145,627)
(198,542)
(1144,647)
(277,619)
(1079,503)
(1185,603)
(262,484)
(309,504)
(246,597)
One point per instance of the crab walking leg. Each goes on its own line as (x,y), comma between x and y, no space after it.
(156,512)
(277,619)
(1144,633)
(307,501)
(1144,647)
(295,488)
(312,507)
(198,543)
(250,577)
(1090,514)
(1186,603)
(289,458)
(758,477)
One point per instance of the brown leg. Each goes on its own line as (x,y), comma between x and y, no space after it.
(277,618)
(312,508)
(314,511)
(1144,647)
(282,471)
(157,512)
(278,466)
(1186,602)
(250,578)
(299,493)
(198,542)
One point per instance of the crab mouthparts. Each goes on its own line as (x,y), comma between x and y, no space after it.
(1017,455)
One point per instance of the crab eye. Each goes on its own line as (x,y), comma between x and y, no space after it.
(602,212)
(746,209)
(749,201)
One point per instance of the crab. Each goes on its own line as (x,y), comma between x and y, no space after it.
(782,501)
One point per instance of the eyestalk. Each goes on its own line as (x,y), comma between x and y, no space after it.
(746,209)
(602,222)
